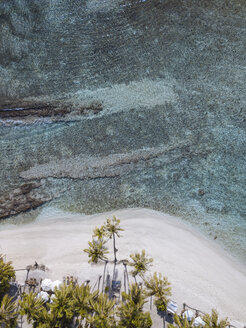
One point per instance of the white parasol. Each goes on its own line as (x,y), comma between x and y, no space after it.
(46,285)
(44,296)
(56,284)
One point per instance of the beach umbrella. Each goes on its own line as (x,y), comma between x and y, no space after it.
(198,322)
(52,297)
(56,284)
(46,285)
(44,296)
(189,315)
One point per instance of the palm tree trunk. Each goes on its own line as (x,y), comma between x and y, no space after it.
(27,274)
(114,271)
(127,276)
(104,271)
(125,281)
(115,259)
(99,279)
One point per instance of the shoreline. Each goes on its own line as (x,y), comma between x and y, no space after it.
(202,274)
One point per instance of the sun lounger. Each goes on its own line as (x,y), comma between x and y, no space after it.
(198,322)
(172,307)
(189,315)
(116,286)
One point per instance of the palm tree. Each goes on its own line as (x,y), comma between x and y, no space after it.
(33,308)
(212,321)
(103,312)
(126,277)
(140,264)
(130,311)
(181,322)
(47,320)
(97,251)
(112,229)
(104,273)
(99,233)
(6,274)
(159,287)
(8,313)
(81,296)
(62,306)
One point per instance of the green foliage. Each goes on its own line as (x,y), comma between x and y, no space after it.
(112,227)
(99,233)
(8,312)
(60,313)
(6,274)
(212,321)
(130,311)
(72,306)
(81,296)
(62,306)
(96,251)
(33,308)
(159,287)
(181,322)
(140,263)
(103,312)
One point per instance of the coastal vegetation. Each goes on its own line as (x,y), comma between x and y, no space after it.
(81,306)
(130,312)
(140,263)
(210,321)
(159,287)
(6,274)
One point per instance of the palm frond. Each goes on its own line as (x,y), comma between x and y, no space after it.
(8,312)
(6,274)
(113,227)
(97,250)
(140,263)
(212,321)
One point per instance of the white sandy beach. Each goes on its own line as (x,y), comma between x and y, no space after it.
(201,273)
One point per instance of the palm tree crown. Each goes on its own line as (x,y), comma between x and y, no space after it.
(80,299)
(112,229)
(103,312)
(6,274)
(32,307)
(140,263)
(8,312)
(159,287)
(130,311)
(97,250)
(212,321)
(99,233)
